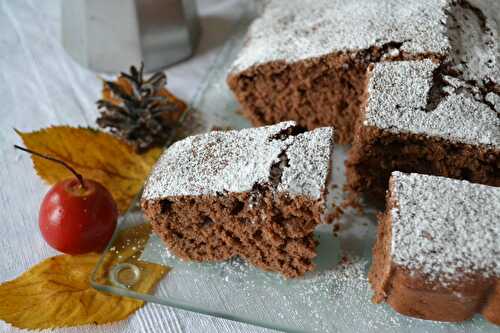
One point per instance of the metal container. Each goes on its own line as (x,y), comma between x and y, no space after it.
(111,35)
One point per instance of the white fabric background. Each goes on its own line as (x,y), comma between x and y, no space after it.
(41,86)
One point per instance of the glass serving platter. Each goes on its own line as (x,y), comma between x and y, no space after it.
(334,298)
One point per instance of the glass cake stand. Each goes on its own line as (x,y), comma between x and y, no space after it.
(334,298)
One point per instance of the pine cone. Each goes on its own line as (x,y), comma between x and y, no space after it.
(141,112)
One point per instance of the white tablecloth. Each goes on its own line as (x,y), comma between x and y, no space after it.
(40,85)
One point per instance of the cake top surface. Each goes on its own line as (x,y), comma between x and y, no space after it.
(400,98)
(305,154)
(293,30)
(473,32)
(235,161)
(445,227)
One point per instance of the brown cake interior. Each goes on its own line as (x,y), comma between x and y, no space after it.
(412,293)
(323,91)
(376,153)
(272,231)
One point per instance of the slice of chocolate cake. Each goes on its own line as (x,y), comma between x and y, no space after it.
(306,60)
(437,255)
(420,118)
(440,118)
(256,193)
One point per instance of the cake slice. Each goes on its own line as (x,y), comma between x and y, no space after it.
(257,193)
(306,60)
(437,254)
(440,118)
(419,117)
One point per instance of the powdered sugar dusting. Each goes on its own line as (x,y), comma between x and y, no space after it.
(465,109)
(292,30)
(474,40)
(444,227)
(494,100)
(235,161)
(398,99)
(307,170)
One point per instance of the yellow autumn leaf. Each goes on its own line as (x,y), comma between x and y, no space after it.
(57,292)
(94,154)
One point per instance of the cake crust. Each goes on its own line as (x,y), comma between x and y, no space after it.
(436,255)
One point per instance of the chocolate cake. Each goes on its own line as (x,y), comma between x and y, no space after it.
(256,193)
(404,126)
(414,85)
(440,118)
(437,255)
(306,60)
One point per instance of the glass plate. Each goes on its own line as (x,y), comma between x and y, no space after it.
(334,298)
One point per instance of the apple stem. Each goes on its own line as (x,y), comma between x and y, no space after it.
(53,159)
